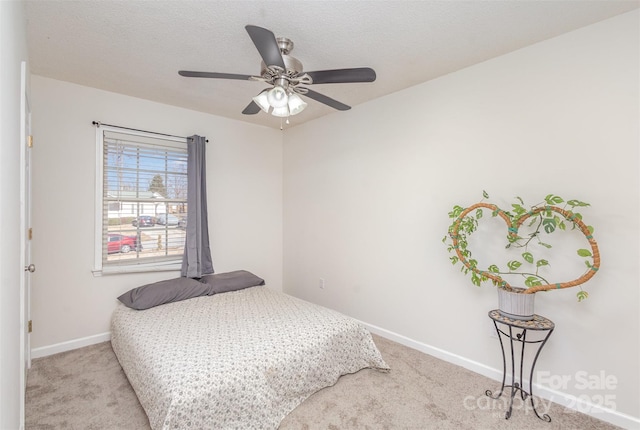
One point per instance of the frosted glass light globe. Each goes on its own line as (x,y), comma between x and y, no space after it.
(296,104)
(277,97)
(262,100)
(280,111)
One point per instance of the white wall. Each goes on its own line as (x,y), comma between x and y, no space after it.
(13,50)
(367,194)
(244,185)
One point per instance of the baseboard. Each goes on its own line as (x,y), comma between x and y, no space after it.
(567,400)
(45,351)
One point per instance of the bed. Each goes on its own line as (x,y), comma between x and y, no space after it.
(237,360)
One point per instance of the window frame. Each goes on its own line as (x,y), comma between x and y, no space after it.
(100,269)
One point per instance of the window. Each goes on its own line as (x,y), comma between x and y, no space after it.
(141,204)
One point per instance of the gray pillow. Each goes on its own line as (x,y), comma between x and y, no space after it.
(159,293)
(231,281)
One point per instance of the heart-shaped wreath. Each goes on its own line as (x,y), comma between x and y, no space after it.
(547,216)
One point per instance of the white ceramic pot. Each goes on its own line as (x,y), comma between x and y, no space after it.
(516,305)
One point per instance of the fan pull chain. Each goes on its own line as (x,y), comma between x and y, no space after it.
(286,122)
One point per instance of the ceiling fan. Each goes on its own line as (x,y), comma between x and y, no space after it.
(287,79)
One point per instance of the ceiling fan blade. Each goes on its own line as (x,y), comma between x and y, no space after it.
(251,109)
(267,45)
(326,100)
(190,74)
(338,76)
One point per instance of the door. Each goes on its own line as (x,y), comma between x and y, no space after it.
(25,247)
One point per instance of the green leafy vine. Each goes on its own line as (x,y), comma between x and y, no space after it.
(553,214)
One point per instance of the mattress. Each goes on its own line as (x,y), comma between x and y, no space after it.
(237,360)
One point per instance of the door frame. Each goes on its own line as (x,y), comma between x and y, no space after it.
(25,236)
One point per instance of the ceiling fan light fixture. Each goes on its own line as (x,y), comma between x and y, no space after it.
(277,97)
(296,104)
(284,74)
(281,112)
(262,100)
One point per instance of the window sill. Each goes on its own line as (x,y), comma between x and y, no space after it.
(137,268)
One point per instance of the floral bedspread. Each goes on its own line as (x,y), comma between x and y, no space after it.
(237,360)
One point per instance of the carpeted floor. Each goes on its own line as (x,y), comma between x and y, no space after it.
(86,389)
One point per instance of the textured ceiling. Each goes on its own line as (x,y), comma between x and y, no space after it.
(137,47)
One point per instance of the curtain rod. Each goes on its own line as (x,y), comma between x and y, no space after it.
(98,124)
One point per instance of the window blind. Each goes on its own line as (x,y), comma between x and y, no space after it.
(144,198)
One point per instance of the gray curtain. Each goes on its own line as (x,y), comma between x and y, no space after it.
(196,260)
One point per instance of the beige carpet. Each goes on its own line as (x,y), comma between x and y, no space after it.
(86,389)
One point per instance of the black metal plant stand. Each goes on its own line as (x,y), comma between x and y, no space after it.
(517,333)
